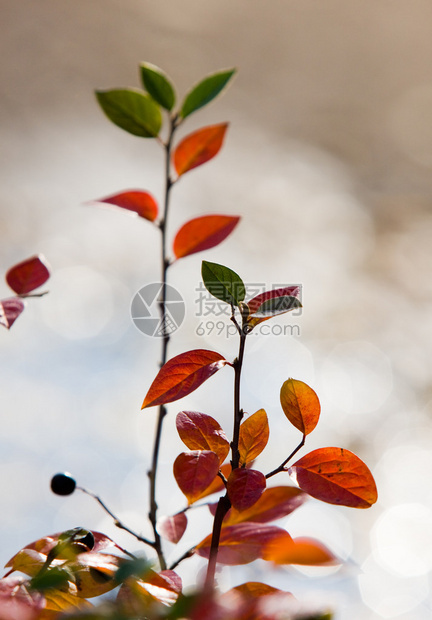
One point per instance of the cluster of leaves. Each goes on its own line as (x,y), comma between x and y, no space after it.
(23,278)
(62,571)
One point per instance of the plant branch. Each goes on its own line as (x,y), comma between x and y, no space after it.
(117,521)
(223,506)
(165,263)
(282,465)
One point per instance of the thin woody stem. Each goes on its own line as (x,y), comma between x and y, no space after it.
(165,340)
(282,465)
(224,503)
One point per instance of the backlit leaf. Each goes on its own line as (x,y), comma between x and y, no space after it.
(173,527)
(181,375)
(205,91)
(199,431)
(137,201)
(217,485)
(242,543)
(60,600)
(274,503)
(336,476)
(302,551)
(10,309)
(203,233)
(300,404)
(254,434)
(131,110)
(18,601)
(260,601)
(194,471)
(158,85)
(199,147)
(95,573)
(28,275)
(273,303)
(223,283)
(245,487)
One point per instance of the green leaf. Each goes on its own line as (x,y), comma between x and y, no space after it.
(205,91)
(158,85)
(131,110)
(223,283)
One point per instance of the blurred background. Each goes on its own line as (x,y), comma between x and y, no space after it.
(328,161)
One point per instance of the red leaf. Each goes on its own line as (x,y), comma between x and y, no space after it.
(172,528)
(274,503)
(336,476)
(199,147)
(242,543)
(201,432)
(254,434)
(245,487)
(305,551)
(181,375)
(203,233)
(137,201)
(255,303)
(10,309)
(194,471)
(28,275)
(300,404)
(260,601)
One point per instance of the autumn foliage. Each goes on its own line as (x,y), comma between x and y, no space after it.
(219,469)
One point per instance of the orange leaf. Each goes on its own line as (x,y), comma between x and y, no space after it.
(255,589)
(274,503)
(194,471)
(172,528)
(242,543)
(199,431)
(300,404)
(336,476)
(203,233)
(181,375)
(137,201)
(217,485)
(28,275)
(305,551)
(245,487)
(254,434)
(199,147)
(260,601)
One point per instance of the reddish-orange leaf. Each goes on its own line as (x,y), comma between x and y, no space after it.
(194,471)
(28,275)
(135,200)
(274,503)
(199,431)
(257,302)
(255,589)
(245,487)
(300,404)
(217,485)
(181,375)
(306,551)
(199,147)
(95,573)
(259,601)
(10,309)
(242,543)
(336,476)
(254,434)
(203,233)
(173,527)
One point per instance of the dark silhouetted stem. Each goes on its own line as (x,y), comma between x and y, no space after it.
(224,503)
(165,340)
(282,465)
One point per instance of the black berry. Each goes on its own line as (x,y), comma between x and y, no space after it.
(63,484)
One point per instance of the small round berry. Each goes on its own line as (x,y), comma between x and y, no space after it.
(63,484)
